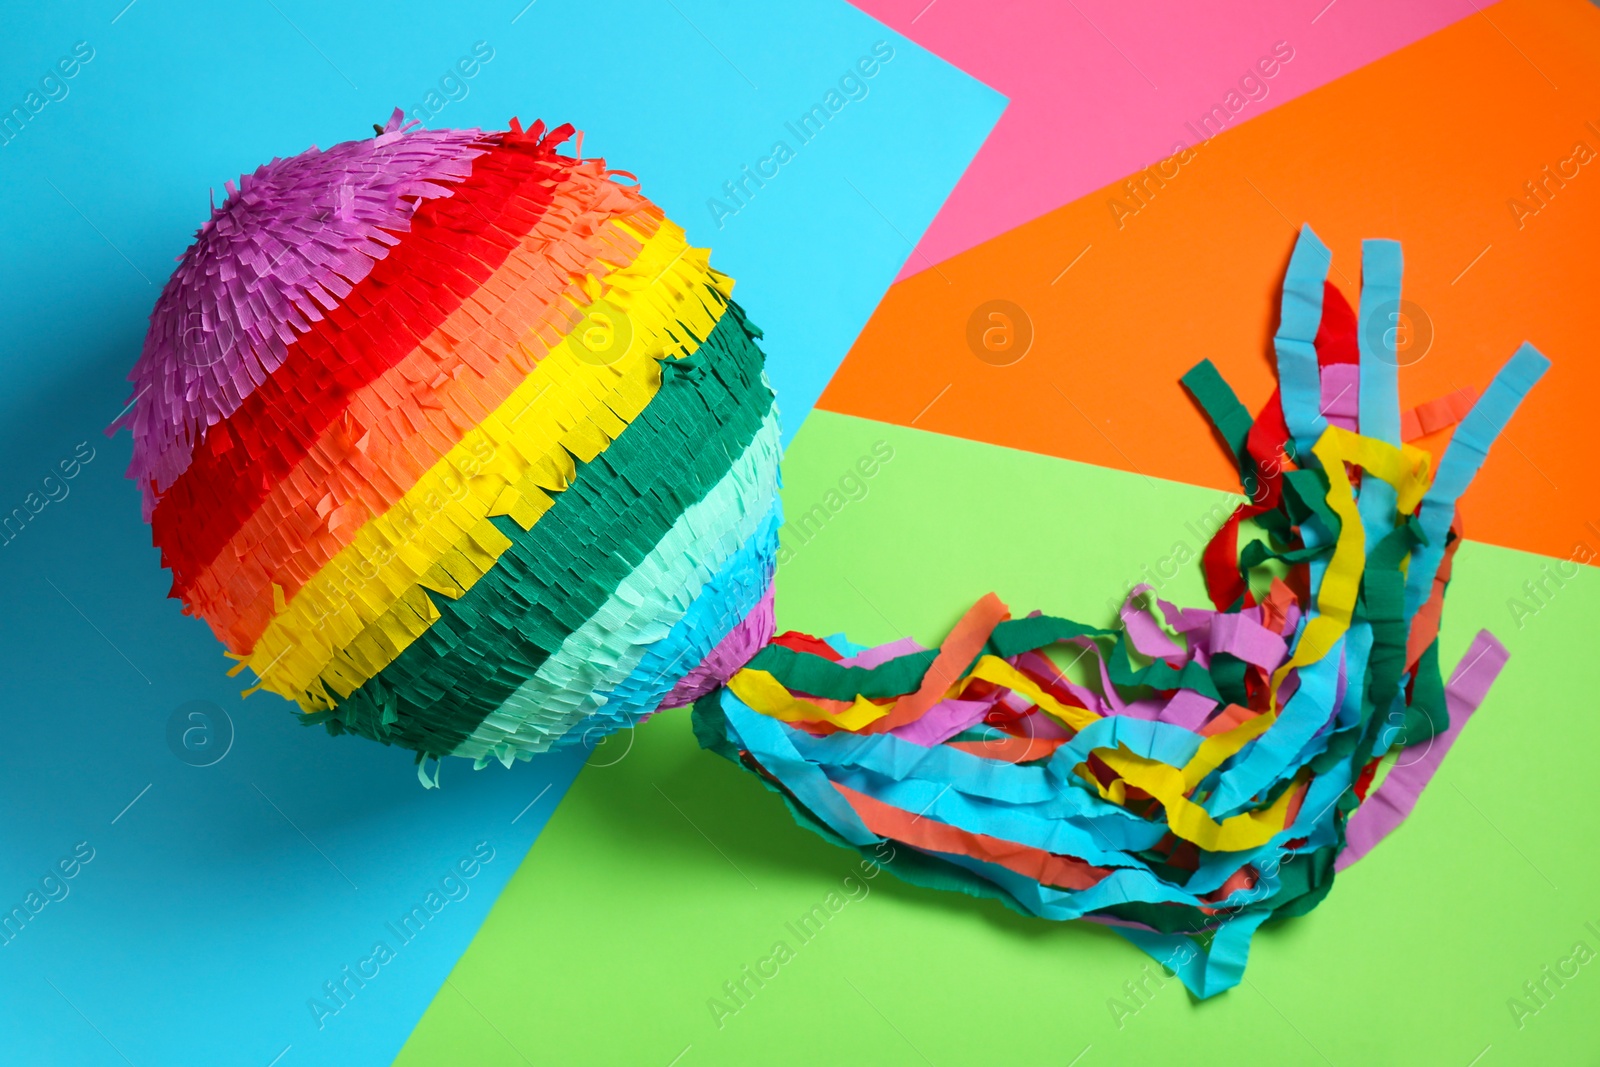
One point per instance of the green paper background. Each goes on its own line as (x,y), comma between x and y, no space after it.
(666,869)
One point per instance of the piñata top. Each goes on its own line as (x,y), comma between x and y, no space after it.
(287,245)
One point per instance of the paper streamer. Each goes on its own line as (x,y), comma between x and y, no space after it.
(1201,771)
(1392,802)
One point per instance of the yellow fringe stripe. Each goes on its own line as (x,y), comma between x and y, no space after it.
(369,603)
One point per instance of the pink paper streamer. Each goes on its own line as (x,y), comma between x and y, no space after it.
(944,720)
(1240,636)
(1187,709)
(1392,802)
(735,650)
(1341,394)
(881,654)
(1144,633)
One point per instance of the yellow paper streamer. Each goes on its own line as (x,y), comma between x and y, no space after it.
(1406,468)
(1189,820)
(765,694)
(996,670)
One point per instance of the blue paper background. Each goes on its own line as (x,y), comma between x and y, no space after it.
(224,898)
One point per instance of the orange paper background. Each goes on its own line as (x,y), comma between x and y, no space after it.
(1427,146)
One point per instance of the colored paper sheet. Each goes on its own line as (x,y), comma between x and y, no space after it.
(676,879)
(1120,299)
(221,901)
(1099,89)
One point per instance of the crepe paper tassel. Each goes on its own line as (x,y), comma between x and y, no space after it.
(1223,783)
(457,444)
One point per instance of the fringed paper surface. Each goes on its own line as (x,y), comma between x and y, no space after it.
(395,480)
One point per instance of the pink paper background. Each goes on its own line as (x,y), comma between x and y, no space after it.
(1081,115)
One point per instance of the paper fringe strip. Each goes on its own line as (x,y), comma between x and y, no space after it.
(287,246)
(455,442)
(1195,772)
